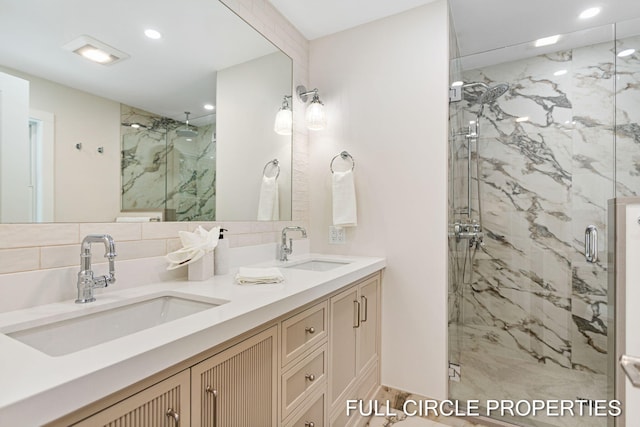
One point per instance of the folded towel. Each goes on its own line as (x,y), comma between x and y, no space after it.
(268,206)
(194,246)
(137,219)
(344,199)
(250,275)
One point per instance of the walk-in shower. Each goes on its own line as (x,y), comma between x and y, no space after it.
(538,143)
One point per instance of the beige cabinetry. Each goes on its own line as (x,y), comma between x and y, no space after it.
(164,404)
(304,367)
(354,333)
(237,387)
(298,372)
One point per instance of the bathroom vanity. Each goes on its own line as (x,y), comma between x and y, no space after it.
(286,354)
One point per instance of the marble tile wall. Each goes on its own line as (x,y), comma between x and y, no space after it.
(161,170)
(28,247)
(547,156)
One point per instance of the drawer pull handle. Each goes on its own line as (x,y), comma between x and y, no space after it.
(214,393)
(356,314)
(310,377)
(310,330)
(365,302)
(309,424)
(173,414)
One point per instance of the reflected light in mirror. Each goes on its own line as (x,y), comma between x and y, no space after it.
(152,34)
(284,118)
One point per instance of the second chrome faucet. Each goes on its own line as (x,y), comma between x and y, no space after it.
(285,250)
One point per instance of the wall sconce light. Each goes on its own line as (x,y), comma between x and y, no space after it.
(315,116)
(284,118)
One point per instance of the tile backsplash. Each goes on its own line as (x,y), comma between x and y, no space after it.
(29,247)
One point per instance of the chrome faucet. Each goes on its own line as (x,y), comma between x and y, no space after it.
(86,282)
(287,250)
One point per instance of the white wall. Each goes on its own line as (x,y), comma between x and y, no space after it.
(384,85)
(245,135)
(95,122)
(16,203)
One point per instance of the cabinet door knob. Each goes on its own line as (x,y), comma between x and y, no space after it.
(309,424)
(173,414)
(310,330)
(310,377)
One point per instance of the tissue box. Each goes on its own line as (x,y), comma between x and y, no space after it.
(202,269)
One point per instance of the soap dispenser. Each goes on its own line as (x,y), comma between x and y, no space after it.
(221,255)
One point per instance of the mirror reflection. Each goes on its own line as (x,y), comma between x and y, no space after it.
(94,115)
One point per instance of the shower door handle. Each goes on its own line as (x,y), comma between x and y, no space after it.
(591,244)
(631,367)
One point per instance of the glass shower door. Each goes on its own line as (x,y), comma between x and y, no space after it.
(529,315)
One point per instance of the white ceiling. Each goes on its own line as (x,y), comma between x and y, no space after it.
(177,73)
(167,76)
(489,24)
(481,25)
(315,18)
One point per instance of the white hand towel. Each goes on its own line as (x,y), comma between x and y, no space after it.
(268,206)
(251,275)
(344,200)
(194,246)
(133,219)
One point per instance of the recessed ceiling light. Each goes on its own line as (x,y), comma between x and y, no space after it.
(590,13)
(626,52)
(457,83)
(152,34)
(546,41)
(560,73)
(95,50)
(209,107)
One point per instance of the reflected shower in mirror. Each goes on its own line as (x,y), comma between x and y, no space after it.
(107,141)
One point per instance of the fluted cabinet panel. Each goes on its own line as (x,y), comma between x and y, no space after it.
(165,404)
(237,388)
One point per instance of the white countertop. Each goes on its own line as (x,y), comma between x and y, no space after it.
(38,388)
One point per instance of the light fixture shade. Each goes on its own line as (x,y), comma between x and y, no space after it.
(315,116)
(284,121)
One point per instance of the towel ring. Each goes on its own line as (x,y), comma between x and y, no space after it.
(276,164)
(344,156)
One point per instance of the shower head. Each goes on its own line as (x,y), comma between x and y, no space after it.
(492,93)
(186,132)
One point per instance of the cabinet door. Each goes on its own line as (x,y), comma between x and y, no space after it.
(342,349)
(368,333)
(237,388)
(165,404)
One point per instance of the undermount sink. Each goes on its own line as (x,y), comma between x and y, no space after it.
(318,265)
(90,329)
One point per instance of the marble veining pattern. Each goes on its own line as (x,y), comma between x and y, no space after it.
(526,307)
(163,171)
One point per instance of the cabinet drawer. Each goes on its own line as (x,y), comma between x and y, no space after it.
(303,379)
(312,414)
(302,331)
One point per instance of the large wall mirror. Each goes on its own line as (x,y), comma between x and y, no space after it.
(179,127)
